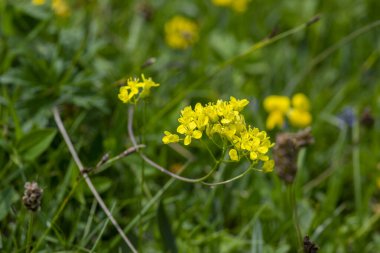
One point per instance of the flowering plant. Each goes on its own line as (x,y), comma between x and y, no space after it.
(225,126)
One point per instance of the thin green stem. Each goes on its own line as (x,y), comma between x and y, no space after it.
(356,166)
(30,232)
(293,206)
(148,205)
(208,149)
(231,179)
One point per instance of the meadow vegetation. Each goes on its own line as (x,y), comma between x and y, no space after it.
(198,126)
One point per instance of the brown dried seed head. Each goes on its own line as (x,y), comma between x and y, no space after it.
(285,157)
(309,246)
(32,196)
(304,138)
(366,119)
(286,151)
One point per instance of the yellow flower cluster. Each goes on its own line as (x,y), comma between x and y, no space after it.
(236,5)
(59,7)
(134,89)
(297,111)
(223,121)
(181,32)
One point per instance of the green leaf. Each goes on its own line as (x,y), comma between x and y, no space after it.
(166,232)
(8,197)
(35,143)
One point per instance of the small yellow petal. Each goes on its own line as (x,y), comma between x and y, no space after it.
(263,149)
(233,155)
(197,134)
(268,166)
(187,140)
(181,129)
(253,155)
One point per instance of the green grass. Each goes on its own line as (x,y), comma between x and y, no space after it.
(73,63)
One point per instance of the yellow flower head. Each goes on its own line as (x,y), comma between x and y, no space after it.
(236,5)
(279,106)
(134,89)
(223,121)
(181,32)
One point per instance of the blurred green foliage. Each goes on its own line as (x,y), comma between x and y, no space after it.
(74,62)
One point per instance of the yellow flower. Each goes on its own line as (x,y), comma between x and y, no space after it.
(60,8)
(276,103)
(223,121)
(146,85)
(169,137)
(38,2)
(279,106)
(181,32)
(134,89)
(299,118)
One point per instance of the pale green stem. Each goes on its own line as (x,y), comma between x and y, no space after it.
(231,179)
(356,166)
(30,232)
(293,205)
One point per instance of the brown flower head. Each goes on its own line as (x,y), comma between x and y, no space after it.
(32,196)
(286,152)
(309,246)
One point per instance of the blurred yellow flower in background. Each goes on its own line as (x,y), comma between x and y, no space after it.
(60,8)
(181,32)
(279,106)
(236,5)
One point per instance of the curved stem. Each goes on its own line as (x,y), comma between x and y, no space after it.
(152,163)
(229,180)
(167,172)
(209,150)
